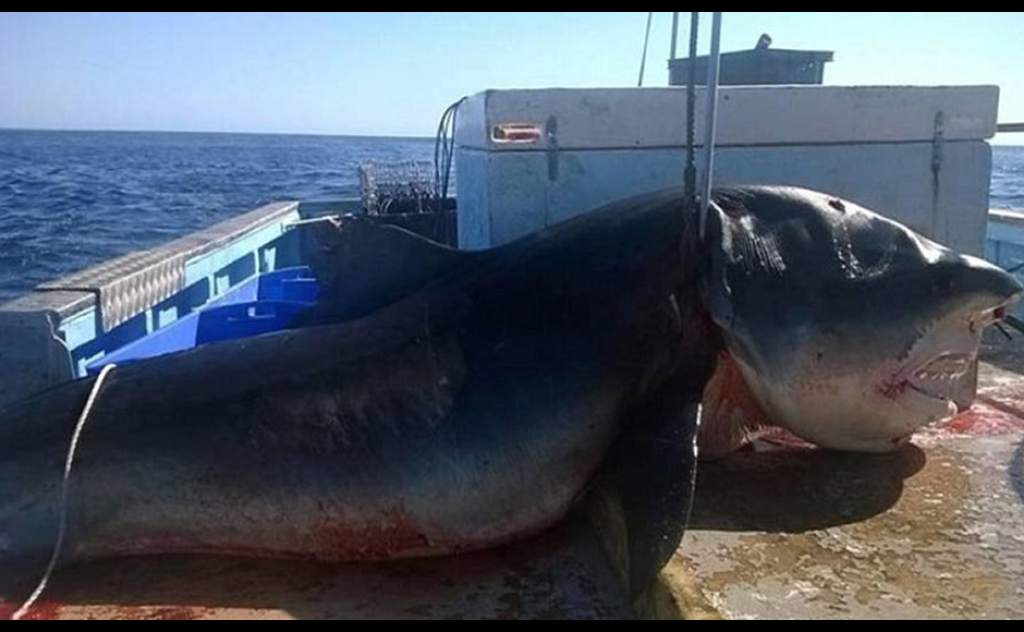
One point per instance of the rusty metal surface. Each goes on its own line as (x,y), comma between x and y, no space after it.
(935,530)
(563,574)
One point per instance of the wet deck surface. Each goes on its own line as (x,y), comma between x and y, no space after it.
(933,531)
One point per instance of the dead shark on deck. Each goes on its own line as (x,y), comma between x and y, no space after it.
(437,401)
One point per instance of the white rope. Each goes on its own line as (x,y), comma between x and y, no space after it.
(62,520)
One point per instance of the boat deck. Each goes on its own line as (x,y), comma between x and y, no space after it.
(934,531)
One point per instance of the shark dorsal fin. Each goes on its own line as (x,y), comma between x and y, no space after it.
(363,265)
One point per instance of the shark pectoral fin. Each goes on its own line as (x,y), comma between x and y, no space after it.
(362,266)
(640,502)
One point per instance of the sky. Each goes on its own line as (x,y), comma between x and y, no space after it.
(394,73)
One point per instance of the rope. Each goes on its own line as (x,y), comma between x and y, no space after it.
(63,515)
(643,58)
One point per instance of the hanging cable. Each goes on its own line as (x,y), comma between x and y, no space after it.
(62,518)
(449,153)
(710,123)
(444,154)
(444,148)
(690,174)
(643,57)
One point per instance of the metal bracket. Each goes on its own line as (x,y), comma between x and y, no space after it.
(313,220)
(937,139)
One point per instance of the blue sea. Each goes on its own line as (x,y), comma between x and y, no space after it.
(1007,188)
(69,200)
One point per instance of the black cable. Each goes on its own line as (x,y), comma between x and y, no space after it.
(444,155)
(444,151)
(1014,322)
(449,155)
(690,175)
(437,151)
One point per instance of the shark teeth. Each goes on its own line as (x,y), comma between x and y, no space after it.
(940,373)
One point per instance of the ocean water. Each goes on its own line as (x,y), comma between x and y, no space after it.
(69,200)
(1007,189)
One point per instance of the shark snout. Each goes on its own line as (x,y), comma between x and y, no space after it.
(973,287)
(990,281)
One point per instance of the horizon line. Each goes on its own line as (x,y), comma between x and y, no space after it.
(178,131)
(991,141)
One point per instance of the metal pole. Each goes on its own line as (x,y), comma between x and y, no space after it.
(643,59)
(712,110)
(675,33)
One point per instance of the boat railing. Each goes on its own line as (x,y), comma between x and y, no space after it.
(50,334)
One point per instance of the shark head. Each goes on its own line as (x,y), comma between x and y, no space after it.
(850,330)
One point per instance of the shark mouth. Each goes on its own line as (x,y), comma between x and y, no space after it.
(938,377)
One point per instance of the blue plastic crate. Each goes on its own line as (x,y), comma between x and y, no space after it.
(268,302)
(288,284)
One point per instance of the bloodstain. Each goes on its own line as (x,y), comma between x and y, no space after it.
(893,389)
(780,438)
(983,419)
(41,610)
(170,613)
(732,417)
(394,534)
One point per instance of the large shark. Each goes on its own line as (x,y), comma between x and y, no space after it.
(438,401)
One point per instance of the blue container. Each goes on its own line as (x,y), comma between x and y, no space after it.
(288,284)
(268,302)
